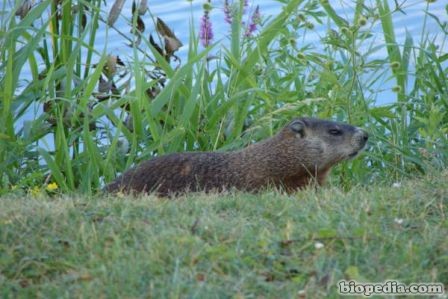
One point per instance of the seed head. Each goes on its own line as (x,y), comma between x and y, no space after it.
(395,65)
(362,21)
(396,88)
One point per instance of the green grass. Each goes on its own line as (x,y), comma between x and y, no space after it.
(240,245)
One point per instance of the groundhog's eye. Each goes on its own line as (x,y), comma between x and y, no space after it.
(335,132)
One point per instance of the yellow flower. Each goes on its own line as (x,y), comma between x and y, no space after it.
(35,191)
(52,186)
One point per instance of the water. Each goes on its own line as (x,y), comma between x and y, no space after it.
(177,15)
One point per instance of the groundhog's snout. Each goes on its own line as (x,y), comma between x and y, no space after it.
(358,142)
(364,136)
(361,137)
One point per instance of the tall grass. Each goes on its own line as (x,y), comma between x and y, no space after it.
(96,115)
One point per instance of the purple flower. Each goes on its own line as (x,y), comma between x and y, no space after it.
(227,12)
(255,20)
(205,31)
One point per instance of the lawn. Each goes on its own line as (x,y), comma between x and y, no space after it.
(229,245)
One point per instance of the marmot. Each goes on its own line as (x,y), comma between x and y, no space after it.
(302,152)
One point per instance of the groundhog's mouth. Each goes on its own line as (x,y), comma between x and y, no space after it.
(354,154)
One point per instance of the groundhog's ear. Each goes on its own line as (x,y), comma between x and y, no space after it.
(297,127)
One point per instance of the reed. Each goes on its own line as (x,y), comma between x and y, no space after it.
(95,115)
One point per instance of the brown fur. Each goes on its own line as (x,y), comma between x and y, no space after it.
(302,152)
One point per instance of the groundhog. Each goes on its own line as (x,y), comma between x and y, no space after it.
(301,153)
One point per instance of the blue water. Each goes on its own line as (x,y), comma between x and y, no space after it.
(177,15)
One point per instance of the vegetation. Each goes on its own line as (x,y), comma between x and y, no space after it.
(232,245)
(95,115)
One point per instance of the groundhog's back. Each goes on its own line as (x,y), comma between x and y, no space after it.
(178,172)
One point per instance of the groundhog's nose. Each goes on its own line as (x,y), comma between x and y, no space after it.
(363,136)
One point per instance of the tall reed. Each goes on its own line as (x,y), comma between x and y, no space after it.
(96,115)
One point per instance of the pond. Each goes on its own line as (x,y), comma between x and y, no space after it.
(177,14)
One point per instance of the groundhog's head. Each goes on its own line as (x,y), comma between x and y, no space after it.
(321,144)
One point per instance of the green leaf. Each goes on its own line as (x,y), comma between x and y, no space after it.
(54,168)
(382,112)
